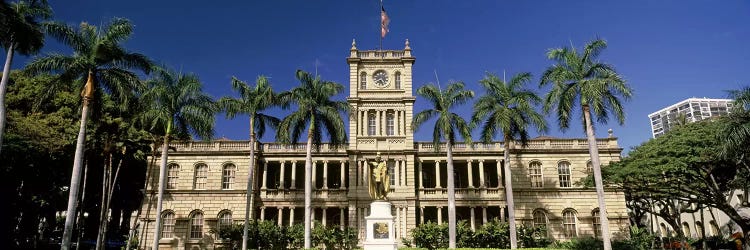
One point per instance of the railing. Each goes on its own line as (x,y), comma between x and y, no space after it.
(532,144)
(381,54)
(278,147)
(299,194)
(193,146)
(459,147)
(461,193)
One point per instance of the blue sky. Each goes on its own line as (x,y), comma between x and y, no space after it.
(667,50)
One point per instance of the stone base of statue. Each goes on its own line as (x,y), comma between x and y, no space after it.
(379,230)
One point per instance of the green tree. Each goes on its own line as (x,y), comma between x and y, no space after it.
(252,101)
(736,135)
(178,105)
(22,33)
(99,60)
(317,112)
(447,126)
(580,80)
(508,108)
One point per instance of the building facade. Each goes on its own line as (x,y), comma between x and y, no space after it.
(206,181)
(689,110)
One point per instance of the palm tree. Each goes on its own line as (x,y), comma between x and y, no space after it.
(252,101)
(508,108)
(178,106)
(736,132)
(99,59)
(23,34)
(447,126)
(318,113)
(580,79)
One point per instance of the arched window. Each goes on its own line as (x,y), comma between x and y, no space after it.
(699,229)
(371,125)
(173,171)
(563,172)
(167,224)
(227,176)
(714,228)
(686,229)
(363,80)
(398,80)
(589,167)
(664,231)
(201,176)
(392,171)
(569,223)
(540,218)
(225,219)
(389,124)
(596,223)
(196,225)
(535,174)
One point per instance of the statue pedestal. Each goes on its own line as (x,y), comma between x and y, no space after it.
(379,230)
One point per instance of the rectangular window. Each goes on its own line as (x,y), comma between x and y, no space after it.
(201,176)
(371,125)
(227,176)
(196,226)
(392,172)
(167,228)
(397,85)
(597,225)
(172,176)
(363,81)
(569,224)
(563,171)
(535,172)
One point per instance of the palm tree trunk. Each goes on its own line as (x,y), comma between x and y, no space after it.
(451,197)
(3,86)
(308,187)
(80,204)
(77,163)
(103,208)
(509,193)
(162,185)
(594,154)
(249,195)
(110,189)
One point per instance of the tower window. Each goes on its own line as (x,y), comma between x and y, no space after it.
(397,83)
(371,124)
(363,81)
(389,124)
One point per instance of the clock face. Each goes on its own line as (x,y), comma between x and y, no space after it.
(380,78)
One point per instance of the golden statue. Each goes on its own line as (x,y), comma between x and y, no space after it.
(380,181)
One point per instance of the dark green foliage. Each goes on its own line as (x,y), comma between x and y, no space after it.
(494,234)
(333,238)
(268,235)
(533,236)
(430,235)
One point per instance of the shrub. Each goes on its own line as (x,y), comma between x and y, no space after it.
(493,234)
(430,235)
(530,236)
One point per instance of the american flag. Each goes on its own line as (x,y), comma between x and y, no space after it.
(384,21)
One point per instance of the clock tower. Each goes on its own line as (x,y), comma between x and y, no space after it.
(380,93)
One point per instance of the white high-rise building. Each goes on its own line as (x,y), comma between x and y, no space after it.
(693,109)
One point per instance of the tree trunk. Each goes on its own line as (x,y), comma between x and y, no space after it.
(103,208)
(80,204)
(3,86)
(594,154)
(162,185)
(249,196)
(77,163)
(509,193)
(140,208)
(451,196)
(107,201)
(308,187)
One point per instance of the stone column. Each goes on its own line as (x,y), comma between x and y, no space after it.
(481,174)
(265,174)
(502,214)
(324,216)
(360,174)
(281,175)
(325,174)
(397,174)
(440,215)
(294,174)
(359,122)
(314,175)
(280,215)
(262,213)
(437,174)
(473,221)
(419,169)
(484,215)
(341,218)
(312,214)
(343,177)
(421,215)
(377,122)
(470,170)
(291,216)
(499,174)
(403,172)
(398,222)
(402,124)
(396,122)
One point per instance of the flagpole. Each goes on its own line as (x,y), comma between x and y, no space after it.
(381,27)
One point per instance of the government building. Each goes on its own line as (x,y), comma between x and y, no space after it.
(206,181)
